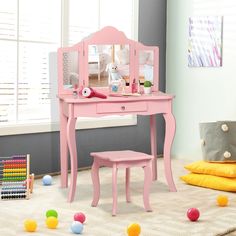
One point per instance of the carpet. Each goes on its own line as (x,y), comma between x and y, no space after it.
(167,219)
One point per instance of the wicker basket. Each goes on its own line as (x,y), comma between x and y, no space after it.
(218,141)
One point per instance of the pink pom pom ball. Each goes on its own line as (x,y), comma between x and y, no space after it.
(80,217)
(193,214)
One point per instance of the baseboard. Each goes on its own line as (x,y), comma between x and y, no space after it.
(188,158)
(58,172)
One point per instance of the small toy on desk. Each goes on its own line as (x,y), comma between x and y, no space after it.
(89,93)
(75,92)
(147,86)
(135,87)
(113,74)
(116,82)
(134,229)
(222,200)
(193,214)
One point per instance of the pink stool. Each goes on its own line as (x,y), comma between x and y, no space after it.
(121,159)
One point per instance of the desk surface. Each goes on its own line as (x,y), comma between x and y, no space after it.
(154,96)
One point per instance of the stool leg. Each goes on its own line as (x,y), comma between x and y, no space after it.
(96,182)
(147,184)
(127,184)
(114,189)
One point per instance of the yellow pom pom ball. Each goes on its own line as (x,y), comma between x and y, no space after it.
(222,200)
(52,222)
(30,225)
(133,229)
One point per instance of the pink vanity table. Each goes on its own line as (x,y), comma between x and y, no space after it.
(75,60)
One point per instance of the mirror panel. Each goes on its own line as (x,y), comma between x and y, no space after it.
(70,70)
(109,64)
(146,66)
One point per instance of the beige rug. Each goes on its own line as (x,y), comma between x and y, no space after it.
(167,219)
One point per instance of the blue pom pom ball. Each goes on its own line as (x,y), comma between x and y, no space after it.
(77,227)
(47,180)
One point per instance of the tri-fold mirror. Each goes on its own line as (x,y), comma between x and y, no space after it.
(70,64)
(99,59)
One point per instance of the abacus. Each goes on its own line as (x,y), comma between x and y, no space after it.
(15,177)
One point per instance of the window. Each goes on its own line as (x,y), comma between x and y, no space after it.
(29,31)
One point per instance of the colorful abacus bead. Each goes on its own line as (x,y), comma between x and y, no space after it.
(13,178)
(14,172)
(18,170)
(19,156)
(8,166)
(14,183)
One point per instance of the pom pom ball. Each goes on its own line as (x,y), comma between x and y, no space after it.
(222,200)
(51,212)
(30,225)
(80,217)
(134,229)
(52,222)
(77,227)
(47,180)
(193,214)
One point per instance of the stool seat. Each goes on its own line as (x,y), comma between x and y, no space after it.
(121,159)
(117,156)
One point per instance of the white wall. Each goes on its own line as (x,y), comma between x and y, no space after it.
(202,94)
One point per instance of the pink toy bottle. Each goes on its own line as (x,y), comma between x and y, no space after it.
(134,87)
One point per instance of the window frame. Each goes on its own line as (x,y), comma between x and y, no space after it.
(82,123)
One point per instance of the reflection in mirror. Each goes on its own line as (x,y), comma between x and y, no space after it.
(70,69)
(146,68)
(108,64)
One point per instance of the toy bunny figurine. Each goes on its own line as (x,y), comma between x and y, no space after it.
(115,80)
(113,73)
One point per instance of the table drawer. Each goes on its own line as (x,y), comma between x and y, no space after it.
(121,107)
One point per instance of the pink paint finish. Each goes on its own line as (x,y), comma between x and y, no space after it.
(72,107)
(122,159)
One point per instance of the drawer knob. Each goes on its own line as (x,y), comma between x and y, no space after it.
(123,108)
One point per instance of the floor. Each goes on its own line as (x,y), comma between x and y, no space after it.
(167,219)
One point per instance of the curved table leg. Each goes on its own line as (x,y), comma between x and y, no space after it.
(169,136)
(96,182)
(63,148)
(73,153)
(153,137)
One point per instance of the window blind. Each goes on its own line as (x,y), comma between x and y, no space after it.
(8,60)
(86,17)
(29,31)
